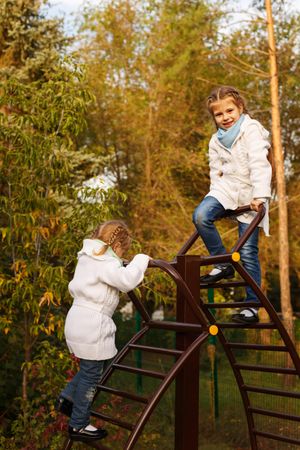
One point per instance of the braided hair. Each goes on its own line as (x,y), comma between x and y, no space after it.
(111,233)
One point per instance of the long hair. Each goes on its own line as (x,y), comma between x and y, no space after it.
(112,232)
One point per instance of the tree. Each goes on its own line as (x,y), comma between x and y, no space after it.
(42,107)
(30,44)
(148,67)
(286,305)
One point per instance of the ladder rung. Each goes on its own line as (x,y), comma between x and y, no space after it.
(232,305)
(275,348)
(165,351)
(112,420)
(227,284)
(277,437)
(150,373)
(271,391)
(120,393)
(261,326)
(285,370)
(175,326)
(268,412)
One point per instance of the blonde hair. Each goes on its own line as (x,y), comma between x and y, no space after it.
(222,92)
(111,233)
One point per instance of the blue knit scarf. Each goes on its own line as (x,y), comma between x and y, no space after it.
(227,137)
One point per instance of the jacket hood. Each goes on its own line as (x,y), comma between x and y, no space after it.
(92,246)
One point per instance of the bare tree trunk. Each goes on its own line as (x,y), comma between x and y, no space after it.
(286,306)
(27,357)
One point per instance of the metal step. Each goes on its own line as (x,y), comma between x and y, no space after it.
(113,420)
(267,412)
(146,348)
(119,393)
(175,326)
(226,284)
(271,391)
(233,305)
(149,373)
(285,370)
(277,437)
(244,346)
(259,326)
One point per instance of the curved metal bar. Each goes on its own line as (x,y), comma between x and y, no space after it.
(182,286)
(238,377)
(165,384)
(272,313)
(229,213)
(237,373)
(139,306)
(255,222)
(188,244)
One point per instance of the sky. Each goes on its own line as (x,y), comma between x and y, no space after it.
(69,8)
(60,7)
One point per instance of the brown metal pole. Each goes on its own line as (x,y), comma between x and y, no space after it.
(187,381)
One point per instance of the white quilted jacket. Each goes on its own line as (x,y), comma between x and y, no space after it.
(243,172)
(89,328)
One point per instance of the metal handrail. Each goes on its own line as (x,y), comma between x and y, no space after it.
(229,213)
(182,286)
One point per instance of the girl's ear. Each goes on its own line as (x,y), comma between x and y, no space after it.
(118,249)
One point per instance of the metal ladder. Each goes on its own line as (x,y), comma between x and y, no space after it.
(287,346)
(196,333)
(195,322)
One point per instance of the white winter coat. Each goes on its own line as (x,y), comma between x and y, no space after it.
(243,172)
(89,328)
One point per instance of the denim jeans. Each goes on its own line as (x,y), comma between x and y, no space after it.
(81,390)
(204,216)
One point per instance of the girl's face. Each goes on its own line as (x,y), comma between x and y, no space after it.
(226,113)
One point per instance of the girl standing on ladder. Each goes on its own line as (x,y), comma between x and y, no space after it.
(89,328)
(240,174)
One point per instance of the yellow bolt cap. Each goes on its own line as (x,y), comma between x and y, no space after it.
(235,256)
(213,330)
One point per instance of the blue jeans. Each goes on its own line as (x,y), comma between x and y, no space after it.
(204,216)
(81,390)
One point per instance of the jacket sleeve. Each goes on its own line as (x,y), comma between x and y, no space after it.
(259,166)
(125,278)
(215,164)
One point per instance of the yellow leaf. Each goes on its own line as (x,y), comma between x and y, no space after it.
(46,298)
(44,232)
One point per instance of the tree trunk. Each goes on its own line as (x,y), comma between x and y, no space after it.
(286,306)
(27,357)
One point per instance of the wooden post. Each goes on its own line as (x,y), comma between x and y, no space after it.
(187,382)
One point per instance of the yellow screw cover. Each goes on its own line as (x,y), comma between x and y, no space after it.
(235,256)
(213,330)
